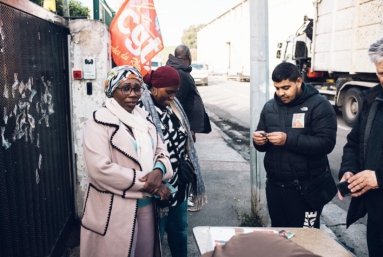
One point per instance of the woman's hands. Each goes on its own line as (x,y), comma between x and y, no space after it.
(154,184)
(153,181)
(164,192)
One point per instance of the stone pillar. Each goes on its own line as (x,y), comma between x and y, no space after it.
(89,39)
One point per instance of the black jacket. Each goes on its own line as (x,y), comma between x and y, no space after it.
(354,160)
(189,96)
(306,148)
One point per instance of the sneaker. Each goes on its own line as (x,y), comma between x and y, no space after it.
(190,203)
(193,209)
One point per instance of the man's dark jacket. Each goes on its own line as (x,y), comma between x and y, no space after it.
(356,154)
(306,148)
(189,96)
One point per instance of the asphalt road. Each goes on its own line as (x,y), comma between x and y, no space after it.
(230,100)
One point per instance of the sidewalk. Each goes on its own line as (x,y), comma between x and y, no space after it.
(227,180)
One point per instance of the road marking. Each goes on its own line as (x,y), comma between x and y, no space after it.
(344,128)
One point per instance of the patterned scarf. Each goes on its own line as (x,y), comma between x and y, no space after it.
(117,76)
(199,195)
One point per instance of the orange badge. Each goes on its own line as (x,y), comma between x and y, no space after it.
(298,120)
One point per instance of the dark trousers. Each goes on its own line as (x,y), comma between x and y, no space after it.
(288,209)
(175,224)
(374,240)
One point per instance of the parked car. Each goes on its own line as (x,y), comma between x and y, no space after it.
(200,73)
(217,69)
(239,74)
(156,63)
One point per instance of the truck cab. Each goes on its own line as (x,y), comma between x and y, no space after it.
(321,67)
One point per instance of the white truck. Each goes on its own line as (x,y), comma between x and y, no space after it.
(331,51)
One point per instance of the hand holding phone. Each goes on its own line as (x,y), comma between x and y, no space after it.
(343,188)
(260,137)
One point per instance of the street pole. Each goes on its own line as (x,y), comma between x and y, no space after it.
(259,95)
(65,8)
(96,9)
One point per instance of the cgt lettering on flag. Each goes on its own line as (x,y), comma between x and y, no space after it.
(136,35)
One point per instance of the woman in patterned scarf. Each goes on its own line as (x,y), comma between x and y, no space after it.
(173,126)
(126,163)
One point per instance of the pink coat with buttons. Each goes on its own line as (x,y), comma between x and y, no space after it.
(110,206)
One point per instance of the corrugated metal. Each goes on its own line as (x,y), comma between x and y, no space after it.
(35,179)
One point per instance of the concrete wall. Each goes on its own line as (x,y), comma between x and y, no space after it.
(89,38)
(225,41)
(285,17)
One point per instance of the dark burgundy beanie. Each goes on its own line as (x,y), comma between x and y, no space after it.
(164,76)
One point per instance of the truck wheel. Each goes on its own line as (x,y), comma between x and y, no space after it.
(352,103)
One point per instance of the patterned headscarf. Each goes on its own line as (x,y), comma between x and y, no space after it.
(118,75)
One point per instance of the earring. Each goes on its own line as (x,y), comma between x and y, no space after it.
(155,92)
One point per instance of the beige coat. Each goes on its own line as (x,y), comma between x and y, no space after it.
(110,206)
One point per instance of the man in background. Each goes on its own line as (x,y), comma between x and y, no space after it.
(188,94)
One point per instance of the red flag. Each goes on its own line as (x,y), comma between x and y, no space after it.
(136,35)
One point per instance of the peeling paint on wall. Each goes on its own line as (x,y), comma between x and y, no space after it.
(90,38)
(5,93)
(24,122)
(15,85)
(5,116)
(4,142)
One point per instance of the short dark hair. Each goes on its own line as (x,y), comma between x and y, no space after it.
(285,71)
(182,52)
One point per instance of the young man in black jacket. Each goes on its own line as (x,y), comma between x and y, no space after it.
(297,129)
(362,160)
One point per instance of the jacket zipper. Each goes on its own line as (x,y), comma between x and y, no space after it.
(282,117)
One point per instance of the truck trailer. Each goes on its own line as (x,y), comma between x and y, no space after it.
(331,51)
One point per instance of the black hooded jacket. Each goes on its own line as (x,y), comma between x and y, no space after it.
(189,96)
(306,148)
(355,157)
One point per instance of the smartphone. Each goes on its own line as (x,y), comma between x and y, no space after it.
(343,188)
(264,134)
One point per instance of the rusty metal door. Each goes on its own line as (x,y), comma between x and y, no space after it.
(36,196)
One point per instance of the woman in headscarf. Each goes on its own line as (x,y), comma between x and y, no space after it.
(126,163)
(173,126)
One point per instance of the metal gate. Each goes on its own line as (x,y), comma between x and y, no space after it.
(36,199)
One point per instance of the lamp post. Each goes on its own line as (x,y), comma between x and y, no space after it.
(259,94)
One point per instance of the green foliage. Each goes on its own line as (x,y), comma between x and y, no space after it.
(248,219)
(75,8)
(189,36)
(38,2)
